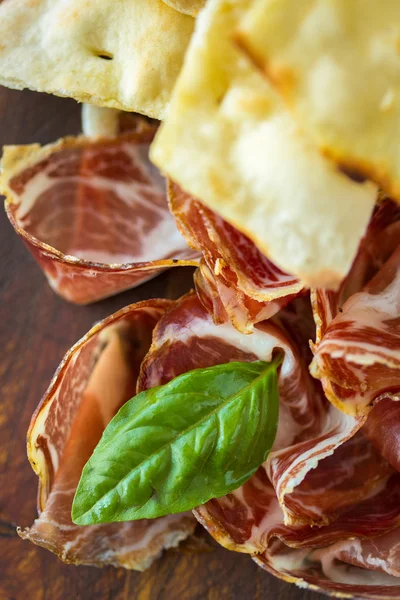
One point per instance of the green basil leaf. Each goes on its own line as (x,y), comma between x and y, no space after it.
(174,447)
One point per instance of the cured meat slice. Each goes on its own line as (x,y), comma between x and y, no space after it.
(210,296)
(227,303)
(309,429)
(93,380)
(249,520)
(231,253)
(378,244)
(357,355)
(360,351)
(351,470)
(323,472)
(355,556)
(250,287)
(382,428)
(93,213)
(359,568)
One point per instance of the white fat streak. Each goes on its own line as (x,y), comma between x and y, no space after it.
(33,190)
(239,495)
(56,524)
(165,239)
(368,310)
(285,425)
(156,527)
(68,546)
(367,357)
(259,533)
(341,572)
(373,308)
(260,342)
(336,420)
(127,191)
(291,561)
(53,452)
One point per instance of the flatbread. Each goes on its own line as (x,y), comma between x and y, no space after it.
(122,54)
(187,7)
(229,142)
(337,65)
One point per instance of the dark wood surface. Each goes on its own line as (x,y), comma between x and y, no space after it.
(36,328)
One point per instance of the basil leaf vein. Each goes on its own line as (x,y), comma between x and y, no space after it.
(176,446)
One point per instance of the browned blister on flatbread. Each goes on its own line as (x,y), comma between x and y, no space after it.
(336,64)
(187,7)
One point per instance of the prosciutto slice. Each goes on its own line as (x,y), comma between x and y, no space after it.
(226,303)
(359,568)
(93,213)
(309,429)
(92,382)
(383,429)
(235,280)
(357,555)
(322,471)
(322,511)
(357,355)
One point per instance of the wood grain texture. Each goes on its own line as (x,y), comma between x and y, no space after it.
(36,328)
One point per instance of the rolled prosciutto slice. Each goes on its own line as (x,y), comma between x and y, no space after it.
(235,281)
(93,212)
(357,354)
(95,378)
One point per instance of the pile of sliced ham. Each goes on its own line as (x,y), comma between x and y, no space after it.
(323,511)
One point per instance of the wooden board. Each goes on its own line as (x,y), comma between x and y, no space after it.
(36,328)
